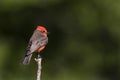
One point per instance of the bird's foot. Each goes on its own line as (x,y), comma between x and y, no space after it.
(38,56)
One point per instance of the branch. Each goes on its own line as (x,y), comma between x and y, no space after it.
(39,60)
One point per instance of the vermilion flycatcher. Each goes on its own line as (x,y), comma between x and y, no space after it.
(36,43)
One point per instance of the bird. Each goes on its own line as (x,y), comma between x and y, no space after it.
(37,43)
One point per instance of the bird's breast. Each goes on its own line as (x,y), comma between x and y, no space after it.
(41,48)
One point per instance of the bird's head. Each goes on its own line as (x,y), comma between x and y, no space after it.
(42,30)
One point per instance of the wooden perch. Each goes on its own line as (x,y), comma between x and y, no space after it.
(39,60)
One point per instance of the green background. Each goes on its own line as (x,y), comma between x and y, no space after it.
(84,39)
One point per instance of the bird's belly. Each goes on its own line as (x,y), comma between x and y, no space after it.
(41,48)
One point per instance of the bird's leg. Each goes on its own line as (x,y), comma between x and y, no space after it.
(38,56)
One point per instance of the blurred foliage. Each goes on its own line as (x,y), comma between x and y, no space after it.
(84,40)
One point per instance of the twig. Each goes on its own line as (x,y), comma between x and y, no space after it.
(39,60)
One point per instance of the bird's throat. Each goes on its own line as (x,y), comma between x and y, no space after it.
(44,34)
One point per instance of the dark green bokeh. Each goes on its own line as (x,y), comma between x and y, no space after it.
(84,39)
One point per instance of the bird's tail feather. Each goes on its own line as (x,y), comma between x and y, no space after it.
(27,59)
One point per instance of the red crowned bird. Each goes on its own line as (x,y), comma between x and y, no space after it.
(36,43)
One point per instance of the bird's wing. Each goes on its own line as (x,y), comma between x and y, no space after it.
(37,40)
(28,52)
(34,45)
(32,41)
(38,43)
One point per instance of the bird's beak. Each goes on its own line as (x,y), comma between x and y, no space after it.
(48,32)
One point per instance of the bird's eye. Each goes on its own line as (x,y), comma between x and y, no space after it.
(43,31)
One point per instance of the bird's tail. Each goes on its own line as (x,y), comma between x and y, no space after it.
(27,59)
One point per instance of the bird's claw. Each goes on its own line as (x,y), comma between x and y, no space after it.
(38,56)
